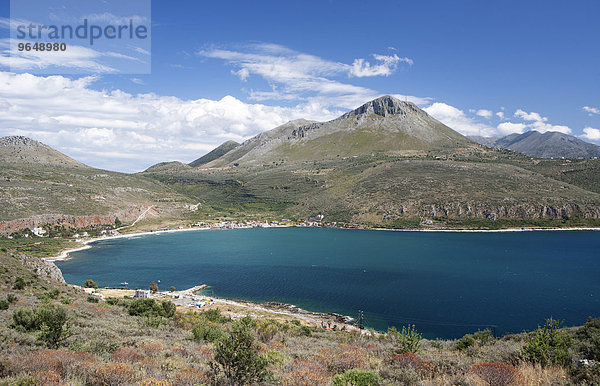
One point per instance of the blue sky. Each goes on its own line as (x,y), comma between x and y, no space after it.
(228,70)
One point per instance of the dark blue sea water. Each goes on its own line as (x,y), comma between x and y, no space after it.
(446,283)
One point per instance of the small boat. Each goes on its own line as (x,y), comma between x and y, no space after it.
(124,283)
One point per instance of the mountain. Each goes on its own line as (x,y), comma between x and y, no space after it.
(550,144)
(39,185)
(23,150)
(385,125)
(386,163)
(214,154)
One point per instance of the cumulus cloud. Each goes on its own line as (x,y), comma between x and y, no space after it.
(484,113)
(500,114)
(539,123)
(458,120)
(137,130)
(510,128)
(592,110)
(591,133)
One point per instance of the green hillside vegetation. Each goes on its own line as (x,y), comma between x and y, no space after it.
(214,154)
(54,333)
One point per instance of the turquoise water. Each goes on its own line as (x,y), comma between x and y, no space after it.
(446,283)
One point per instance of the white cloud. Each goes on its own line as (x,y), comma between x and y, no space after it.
(138,81)
(539,123)
(484,113)
(529,116)
(500,114)
(458,120)
(293,75)
(591,110)
(591,134)
(386,67)
(138,130)
(510,128)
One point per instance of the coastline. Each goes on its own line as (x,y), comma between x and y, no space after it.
(64,255)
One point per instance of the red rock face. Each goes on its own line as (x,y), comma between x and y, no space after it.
(69,221)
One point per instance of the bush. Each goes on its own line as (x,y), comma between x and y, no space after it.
(547,345)
(153,286)
(409,360)
(150,307)
(206,330)
(266,330)
(126,355)
(89,283)
(11,298)
(408,340)
(92,299)
(19,283)
(50,322)
(588,338)
(497,374)
(345,358)
(115,374)
(191,377)
(306,373)
(214,315)
(4,304)
(236,356)
(357,378)
(465,342)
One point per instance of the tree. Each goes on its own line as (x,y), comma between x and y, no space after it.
(236,355)
(19,283)
(153,286)
(357,377)
(51,323)
(547,345)
(89,283)
(408,340)
(172,289)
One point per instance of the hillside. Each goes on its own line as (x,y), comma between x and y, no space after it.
(214,154)
(543,145)
(39,185)
(385,125)
(386,163)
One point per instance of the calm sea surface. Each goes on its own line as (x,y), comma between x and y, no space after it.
(446,283)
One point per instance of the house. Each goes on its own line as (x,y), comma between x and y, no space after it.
(39,232)
(142,294)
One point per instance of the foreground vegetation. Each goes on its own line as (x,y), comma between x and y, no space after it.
(53,333)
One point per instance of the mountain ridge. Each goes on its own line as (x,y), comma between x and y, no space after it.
(551,144)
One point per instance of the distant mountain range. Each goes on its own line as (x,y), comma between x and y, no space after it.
(550,144)
(385,164)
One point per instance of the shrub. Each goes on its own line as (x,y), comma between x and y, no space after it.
(4,304)
(53,328)
(190,377)
(214,315)
(11,298)
(465,342)
(497,374)
(25,319)
(412,361)
(153,286)
(306,373)
(92,299)
(19,283)
(114,374)
(150,307)
(266,330)
(47,377)
(50,322)
(357,378)
(126,355)
(547,345)
(588,338)
(206,330)
(345,358)
(408,340)
(153,382)
(236,355)
(89,283)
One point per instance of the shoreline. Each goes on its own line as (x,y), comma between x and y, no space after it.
(64,255)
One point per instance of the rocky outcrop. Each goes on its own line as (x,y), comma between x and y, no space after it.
(45,269)
(69,221)
(491,212)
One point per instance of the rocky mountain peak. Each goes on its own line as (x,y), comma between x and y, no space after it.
(385,106)
(19,141)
